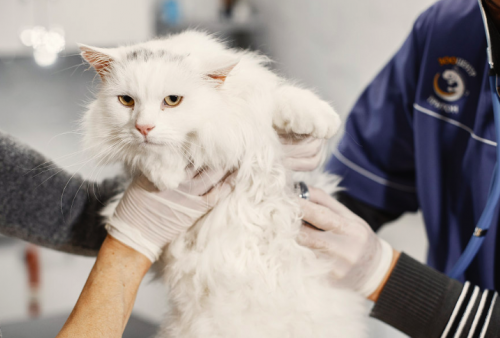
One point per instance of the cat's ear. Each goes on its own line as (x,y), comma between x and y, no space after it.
(99,58)
(220,75)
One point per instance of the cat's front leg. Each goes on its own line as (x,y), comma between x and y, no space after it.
(300,111)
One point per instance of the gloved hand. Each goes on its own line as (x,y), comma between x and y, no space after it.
(302,154)
(147,219)
(359,259)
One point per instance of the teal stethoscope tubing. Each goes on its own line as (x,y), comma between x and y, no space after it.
(486,218)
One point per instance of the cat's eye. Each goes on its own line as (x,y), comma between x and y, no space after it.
(126,100)
(172,100)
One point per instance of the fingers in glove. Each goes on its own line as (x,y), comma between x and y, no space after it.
(142,182)
(322,217)
(303,163)
(202,181)
(303,154)
(220,191)
(327,243)
(308,147)
(319,196)
(308,238)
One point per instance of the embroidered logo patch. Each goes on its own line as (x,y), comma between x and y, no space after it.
(454,87)
(450,83)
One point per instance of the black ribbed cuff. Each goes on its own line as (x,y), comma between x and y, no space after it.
(417,300)
(494,323)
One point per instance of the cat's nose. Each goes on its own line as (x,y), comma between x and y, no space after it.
(144,129)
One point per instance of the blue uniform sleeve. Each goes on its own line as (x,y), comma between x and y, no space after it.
(375,158)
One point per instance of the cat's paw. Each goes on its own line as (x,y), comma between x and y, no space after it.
(300,111)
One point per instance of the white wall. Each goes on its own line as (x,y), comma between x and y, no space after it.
(336,47)
(93,22)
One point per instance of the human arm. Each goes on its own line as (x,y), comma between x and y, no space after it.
(422,302)
(108,296)
(411,297)
(43,204)
(144,222)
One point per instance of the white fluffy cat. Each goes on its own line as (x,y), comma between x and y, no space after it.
(239,271)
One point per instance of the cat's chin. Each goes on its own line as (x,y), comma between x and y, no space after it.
(165,171)
(151,144)
(166,180)
(151,148)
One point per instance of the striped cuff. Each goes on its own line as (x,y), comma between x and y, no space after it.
(472,314)
(463,313)
(417,300)
(422,302)
(483,316)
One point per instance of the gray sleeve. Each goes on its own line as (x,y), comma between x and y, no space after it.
(34,208)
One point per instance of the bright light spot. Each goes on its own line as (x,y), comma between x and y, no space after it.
(44,57)
(54,42)
(46,43)
(25,37)
(38,34)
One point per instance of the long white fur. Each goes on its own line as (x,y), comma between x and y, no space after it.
(239,271)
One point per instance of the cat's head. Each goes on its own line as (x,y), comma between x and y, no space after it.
(161,105)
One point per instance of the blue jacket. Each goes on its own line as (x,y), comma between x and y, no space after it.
(421,136)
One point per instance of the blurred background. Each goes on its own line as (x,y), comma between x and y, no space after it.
(335,47)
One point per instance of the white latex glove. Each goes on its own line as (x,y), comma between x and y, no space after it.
(359,259)
(147,219)
(302,154)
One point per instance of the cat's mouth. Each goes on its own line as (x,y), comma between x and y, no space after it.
(146,143)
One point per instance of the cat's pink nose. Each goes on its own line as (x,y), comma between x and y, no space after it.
(144,129)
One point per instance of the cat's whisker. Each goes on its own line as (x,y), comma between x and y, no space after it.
(88,195)
(67,183)
(62,194)
(90,180)
(95,183)
(65,133)
(193,144)
(56,166)
(74,197)
(47,164)
(101,165)
(48,179)
(93,79)
(76,68)
(50,163)
(65,69)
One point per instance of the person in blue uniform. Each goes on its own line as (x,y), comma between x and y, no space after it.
(421,136)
